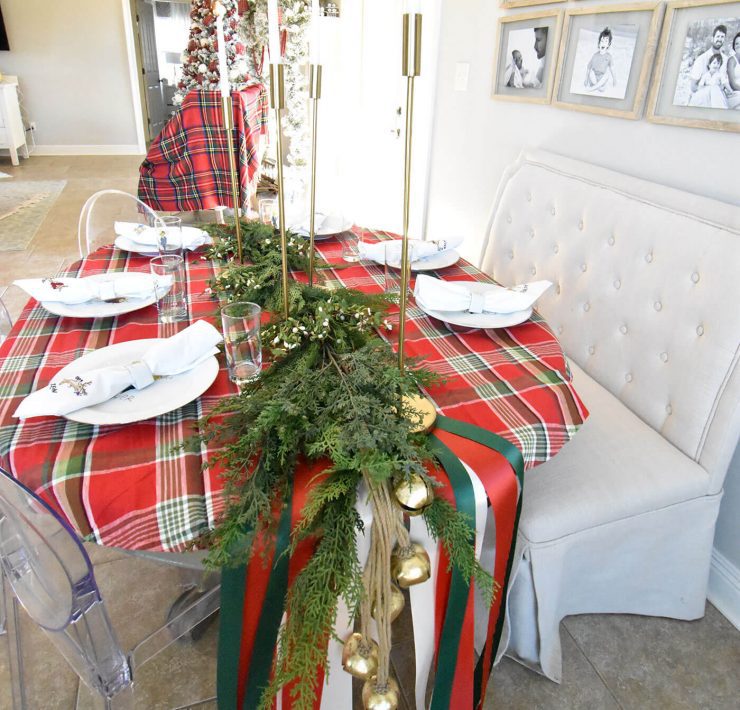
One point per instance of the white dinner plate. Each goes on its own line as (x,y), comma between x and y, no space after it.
(164,395)
(440,260)
(302,229)
(101,309)
(466,319)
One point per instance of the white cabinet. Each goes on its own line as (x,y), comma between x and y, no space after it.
(12,133)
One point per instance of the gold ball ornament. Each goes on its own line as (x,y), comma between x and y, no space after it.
(398,602)
(375,697)
(410,566)
(414,494)
(360,657)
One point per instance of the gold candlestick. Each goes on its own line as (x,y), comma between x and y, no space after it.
(277,101)
(411,68)
(314,93)
(236,191)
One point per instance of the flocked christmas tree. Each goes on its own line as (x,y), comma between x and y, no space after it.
(200,58)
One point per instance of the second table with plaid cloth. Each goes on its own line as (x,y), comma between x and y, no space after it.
(130,486)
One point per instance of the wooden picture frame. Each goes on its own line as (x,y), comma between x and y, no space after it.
(630,33)
(510,4)
(676,61)
(524,34)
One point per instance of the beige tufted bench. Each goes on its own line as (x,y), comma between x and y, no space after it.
(645,305)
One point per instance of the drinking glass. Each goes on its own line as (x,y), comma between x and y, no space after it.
(243,344)
(169,236)
(169,287)
(268,211)
(350,247)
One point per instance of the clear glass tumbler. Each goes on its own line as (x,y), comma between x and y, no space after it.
(169,287)
(350,247)
(268,211)
(243,344)
(169,236)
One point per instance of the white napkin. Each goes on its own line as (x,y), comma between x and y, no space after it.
(171,356)
(331,223)
(418,249)
(72,291)
(436,295)
(192,238)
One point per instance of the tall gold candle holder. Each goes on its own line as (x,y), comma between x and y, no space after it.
(277,102)
(314,93)
(411,68)
(228,108)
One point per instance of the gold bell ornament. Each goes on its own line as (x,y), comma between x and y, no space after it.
(410,565)
(414,494)
(398,602)
(360,657)
(375,697)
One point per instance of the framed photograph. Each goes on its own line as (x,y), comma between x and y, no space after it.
(697,80)
(606,58)
(526,50)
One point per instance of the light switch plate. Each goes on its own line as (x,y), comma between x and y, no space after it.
(462,72)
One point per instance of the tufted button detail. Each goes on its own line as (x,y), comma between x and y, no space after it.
(557,289)
(668,409)
(511,255)
(611,241)
(700,330)
(591,349)
(529,197)
(531,233)
(556,249)
(617,284)
(658,306)
(587,306)
(623,329)
(649,257)
(695,277)
(664,357)
(552,211)
(628,377)
(533,271)
(560,329)
(584,267)
(580,225)
(508,219)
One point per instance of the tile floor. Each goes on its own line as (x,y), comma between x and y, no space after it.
(627,662)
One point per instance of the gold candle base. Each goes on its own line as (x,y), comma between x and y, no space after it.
(425,407)
(236,190)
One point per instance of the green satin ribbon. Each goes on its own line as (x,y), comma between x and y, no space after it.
(449,642)
(443,681)
(233,590)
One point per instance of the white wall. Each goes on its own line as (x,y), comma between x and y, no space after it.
(70,57)
(476,137)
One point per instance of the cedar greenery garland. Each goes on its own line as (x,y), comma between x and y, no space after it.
(332,393)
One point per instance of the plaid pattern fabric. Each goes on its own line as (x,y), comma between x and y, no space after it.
(130,487)
(187,166)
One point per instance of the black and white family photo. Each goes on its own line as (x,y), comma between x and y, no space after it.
(709,73)
(525,58)
(603,61)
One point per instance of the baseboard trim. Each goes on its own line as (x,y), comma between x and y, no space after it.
(724,587)
(131,149)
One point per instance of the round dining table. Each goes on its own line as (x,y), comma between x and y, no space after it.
(133,486)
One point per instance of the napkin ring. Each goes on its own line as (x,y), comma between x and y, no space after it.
(477,301)
(141,375)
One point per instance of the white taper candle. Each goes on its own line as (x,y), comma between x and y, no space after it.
(223,68)
(315,52)
(274,30)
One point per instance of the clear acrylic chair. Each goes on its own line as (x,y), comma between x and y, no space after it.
(99,214)
(52,578)
(5,321)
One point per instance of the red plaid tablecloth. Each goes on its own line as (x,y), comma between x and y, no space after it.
(187,166)
(128,486)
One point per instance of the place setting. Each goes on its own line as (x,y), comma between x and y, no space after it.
(166,236)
